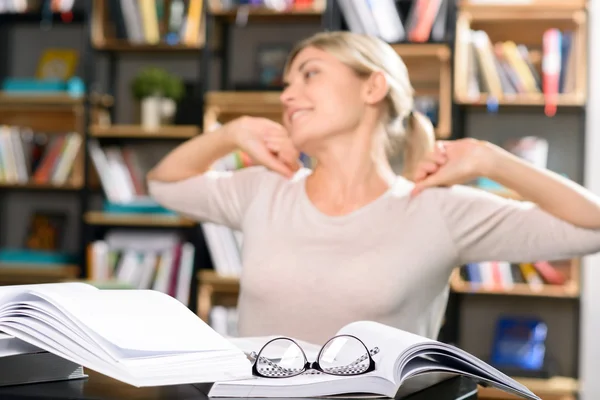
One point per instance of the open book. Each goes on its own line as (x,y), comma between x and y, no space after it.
(405,363)
(140,337)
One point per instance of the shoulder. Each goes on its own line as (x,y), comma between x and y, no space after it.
(465,203)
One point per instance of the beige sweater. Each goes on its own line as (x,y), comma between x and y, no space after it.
(306,274)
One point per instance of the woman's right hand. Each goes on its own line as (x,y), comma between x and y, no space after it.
(266,142)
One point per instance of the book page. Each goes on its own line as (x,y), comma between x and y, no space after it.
(392,343)
(137,323)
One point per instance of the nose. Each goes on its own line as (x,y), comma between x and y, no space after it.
(286,95)
(289,93)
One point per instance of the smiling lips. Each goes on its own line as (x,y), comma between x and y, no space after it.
(295,113)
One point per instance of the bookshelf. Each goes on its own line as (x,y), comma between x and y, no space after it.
(116,30)
(49,120)
(121,241)
(430,71)
(475,55)
(490,78)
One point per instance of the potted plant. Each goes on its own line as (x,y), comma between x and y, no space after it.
(158,93)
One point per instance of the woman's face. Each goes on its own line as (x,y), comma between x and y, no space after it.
(322,99)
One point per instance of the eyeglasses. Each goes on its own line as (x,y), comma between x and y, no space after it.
(283,357)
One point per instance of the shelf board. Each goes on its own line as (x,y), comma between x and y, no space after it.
(269,15)
(210,277)
(137,131)
(568,291)
(20,273)
(564,100)
(126,46)
(59,99)
(556,388)
(438,50)
(552,5)
(40,186)
(157,220)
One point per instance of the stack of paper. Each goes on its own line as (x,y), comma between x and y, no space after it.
(141,337)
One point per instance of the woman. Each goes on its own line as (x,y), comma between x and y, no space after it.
(351,240)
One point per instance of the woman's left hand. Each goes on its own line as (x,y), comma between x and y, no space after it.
(453,162)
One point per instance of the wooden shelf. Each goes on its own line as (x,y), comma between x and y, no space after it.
(556,388)
(103,218)
(429,68)
(137,131)
(41,186)
(564,100)
(568,291)
(215,289)
(540,8)
(103,36)
(54,100)
(224,106)
(436,50)
(264,14)
(528,23)
(127,46)
(15,273)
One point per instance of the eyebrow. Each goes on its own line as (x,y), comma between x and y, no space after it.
(286,83)
(307,61)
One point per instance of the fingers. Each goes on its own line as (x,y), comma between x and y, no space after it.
(283,149)
(276,164)
(430,181)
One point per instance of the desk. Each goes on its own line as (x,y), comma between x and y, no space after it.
(100,387)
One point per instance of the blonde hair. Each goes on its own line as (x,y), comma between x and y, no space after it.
(405,128)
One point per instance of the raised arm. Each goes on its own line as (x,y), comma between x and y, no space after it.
(183,181)
(560,219)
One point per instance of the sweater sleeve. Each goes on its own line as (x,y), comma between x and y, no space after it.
(221,197)
(486,227)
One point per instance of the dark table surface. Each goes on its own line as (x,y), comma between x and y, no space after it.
(98,386)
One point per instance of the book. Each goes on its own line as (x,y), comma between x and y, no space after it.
(140,337)
(22,363)
(404,364)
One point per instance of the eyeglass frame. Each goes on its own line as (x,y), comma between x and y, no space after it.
(314,365)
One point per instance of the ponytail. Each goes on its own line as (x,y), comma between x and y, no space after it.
(419,139)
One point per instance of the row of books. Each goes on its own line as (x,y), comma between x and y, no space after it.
(277,5)
(26,6)
(507,68)
(160,261)
(151,22)
(428,105)
(224,320)
(422,21)
(502,275)
(43,158)
(122,171)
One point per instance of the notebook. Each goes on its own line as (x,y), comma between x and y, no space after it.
(404,362)
(140,337)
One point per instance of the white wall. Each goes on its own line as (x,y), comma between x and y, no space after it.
(590,302)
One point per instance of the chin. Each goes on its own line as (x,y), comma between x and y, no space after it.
(306,140)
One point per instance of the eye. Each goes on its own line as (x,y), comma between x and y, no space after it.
(309,74)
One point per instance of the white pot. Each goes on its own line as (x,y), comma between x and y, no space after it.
(168,108)
(151,112)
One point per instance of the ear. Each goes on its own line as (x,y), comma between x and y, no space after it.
(375,88)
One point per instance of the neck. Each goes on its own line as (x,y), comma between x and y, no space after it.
(349,175)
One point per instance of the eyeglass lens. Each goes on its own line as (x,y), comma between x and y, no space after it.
(342,355)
